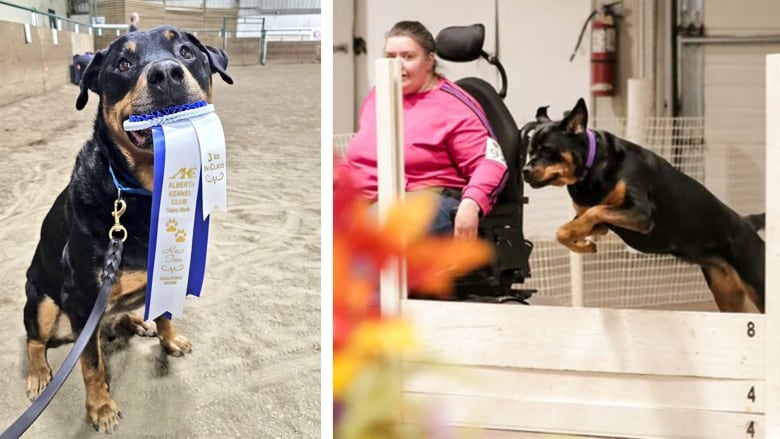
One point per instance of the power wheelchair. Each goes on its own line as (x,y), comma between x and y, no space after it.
(502,279)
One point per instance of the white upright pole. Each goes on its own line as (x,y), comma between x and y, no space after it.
(390,164)
(639,108)
(772,353)
(577,276)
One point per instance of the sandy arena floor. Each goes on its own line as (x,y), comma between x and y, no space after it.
(255,366)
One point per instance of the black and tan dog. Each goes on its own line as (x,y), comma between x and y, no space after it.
(138,73)
(619,186)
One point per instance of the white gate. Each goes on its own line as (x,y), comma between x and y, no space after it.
(608,372)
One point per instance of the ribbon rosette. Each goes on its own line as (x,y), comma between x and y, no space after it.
(189,182)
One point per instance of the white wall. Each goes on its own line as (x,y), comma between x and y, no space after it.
(734,90)
(536,38)
(734,74)
(343,67)
(742,18)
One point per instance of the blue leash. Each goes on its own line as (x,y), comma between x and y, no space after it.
(138,190)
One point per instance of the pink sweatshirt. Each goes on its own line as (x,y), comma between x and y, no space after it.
(445,145)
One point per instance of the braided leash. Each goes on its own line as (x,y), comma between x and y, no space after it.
(110,268)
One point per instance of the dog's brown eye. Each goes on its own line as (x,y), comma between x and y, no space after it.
(124,65)
(185,52)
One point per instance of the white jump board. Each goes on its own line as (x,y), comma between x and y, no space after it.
(611,405)
(591,420)
(690,344)
(592,389)
(614,373)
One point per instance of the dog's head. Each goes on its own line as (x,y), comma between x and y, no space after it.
(556,149)
(142,72)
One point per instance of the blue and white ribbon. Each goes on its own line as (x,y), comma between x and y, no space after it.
(189,182)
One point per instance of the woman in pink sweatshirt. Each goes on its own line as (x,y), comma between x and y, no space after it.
(448,145)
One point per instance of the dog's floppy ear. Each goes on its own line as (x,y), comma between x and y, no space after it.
(89,79)
(218,59)
(541,114)
(577,120)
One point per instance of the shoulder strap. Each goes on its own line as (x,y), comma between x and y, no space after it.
(461,96)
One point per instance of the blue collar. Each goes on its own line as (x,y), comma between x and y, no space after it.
(138,190)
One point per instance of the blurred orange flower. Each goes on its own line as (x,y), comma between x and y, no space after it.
(364,343)
(372,340)
(358,240)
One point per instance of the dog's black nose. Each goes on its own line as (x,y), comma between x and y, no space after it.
(165,74)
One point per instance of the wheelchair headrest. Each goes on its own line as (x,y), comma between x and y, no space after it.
(460,43)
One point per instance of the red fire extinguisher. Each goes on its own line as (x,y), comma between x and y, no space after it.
(603,49)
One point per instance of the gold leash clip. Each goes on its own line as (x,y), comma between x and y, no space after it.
(119,208)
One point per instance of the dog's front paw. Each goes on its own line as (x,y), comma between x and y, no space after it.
(589,247)
(136,325)
(37,380)
(575,241)
(146,329)
(584,249)
(585,246)
(140,327)
(176,346)
(103,414)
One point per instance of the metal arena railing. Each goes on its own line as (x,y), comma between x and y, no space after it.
(38,19)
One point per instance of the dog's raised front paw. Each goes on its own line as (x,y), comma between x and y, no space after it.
(586,246)
(590,247)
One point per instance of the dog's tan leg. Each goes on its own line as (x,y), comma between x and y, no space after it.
(575,233)
(731,293)
(628,219)
(599,229)
(593,221)
(174,343)
(102,412)
(39,371)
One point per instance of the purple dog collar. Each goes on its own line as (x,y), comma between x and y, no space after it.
(591,154)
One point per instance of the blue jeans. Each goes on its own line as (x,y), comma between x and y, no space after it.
(444,222)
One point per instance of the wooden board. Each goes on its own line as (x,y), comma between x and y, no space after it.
(544,386)
(668,343)
(773,244)
(598,420)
